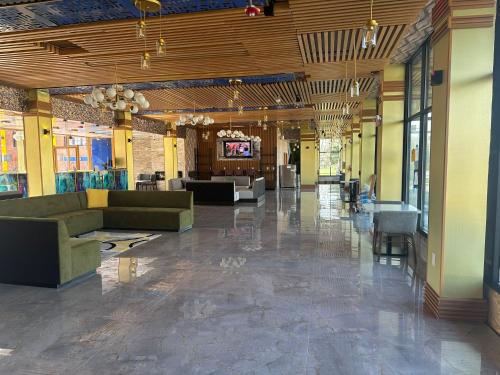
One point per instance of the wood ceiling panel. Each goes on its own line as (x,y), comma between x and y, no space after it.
(320,15)
(301,114)
(200,45)
(316,37)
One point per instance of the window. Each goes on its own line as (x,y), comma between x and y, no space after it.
(492,253)
(329,157)
(72,153)
(418,133)
(12,153)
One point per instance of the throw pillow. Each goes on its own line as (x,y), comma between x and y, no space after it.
(97,198)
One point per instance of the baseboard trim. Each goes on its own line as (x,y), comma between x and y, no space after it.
(475,310)
(308,187)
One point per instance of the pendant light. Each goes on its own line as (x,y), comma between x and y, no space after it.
(355,84)
(370,31)
(346,108)
(161,46)
(140,27)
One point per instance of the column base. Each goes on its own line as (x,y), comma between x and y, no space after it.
(475,310)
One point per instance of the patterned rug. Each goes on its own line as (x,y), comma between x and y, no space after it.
(114,243)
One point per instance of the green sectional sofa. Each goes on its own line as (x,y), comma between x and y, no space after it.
(37,244)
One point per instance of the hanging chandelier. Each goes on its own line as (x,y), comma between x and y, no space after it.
(235,83)
(236,134)
(116,98)
(144,7)
(194,119)
(370,31)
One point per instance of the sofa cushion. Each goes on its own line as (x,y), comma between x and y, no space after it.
(152,218)
(85,256)
(246,194)
(41,206)
(81,221)
(165,199)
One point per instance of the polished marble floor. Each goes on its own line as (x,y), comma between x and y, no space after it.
(290,287)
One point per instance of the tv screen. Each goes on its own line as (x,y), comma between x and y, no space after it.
(238,149)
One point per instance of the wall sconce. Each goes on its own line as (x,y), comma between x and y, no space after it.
(129,140)
(45,131)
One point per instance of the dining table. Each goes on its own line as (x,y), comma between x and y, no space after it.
(392,207)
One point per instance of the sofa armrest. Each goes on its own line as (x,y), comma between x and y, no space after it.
(34,251)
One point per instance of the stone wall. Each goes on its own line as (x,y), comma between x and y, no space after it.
(75,111)
(189,150)
(13,99)
(181,156)
(149,154)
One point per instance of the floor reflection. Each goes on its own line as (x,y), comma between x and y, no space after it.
(290,287)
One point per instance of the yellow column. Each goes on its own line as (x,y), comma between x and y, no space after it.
(123,147)
(390,152)
(38,144)
(356,154)
(348,156)
(463,46)
(368,131)
(170,146)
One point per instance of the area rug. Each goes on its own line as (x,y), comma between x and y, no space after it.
(114,243)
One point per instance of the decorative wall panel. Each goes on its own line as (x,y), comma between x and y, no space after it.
(13,99)
(206,155)
(70,110)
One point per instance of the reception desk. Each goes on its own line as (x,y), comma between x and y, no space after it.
(111,179)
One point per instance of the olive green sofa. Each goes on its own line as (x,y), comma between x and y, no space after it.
(37,244)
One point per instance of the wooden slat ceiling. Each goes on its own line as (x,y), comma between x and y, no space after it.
(315,37)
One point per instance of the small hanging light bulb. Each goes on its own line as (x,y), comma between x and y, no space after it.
(355,89)
(240,110)
(230,103)
(140,29)
(370,31)
(161,47)
(145,61)
(236,94)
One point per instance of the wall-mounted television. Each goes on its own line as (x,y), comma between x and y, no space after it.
(238,149)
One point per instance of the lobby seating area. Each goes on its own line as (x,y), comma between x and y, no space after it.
(51,255)
(250,187)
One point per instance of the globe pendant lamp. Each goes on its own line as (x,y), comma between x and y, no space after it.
(370,31)
(251,10)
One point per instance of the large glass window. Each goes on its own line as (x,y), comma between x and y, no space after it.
(12,153)
(418,132)
(329,157)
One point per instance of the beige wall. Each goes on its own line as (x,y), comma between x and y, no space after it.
(390,163)
(308,163)
(459,163)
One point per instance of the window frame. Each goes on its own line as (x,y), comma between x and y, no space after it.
(422,116)
(492,241)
